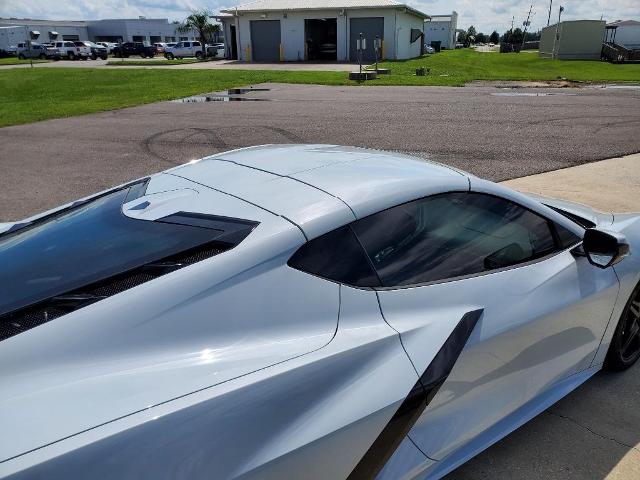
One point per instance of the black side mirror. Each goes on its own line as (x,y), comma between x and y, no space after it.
(604,248)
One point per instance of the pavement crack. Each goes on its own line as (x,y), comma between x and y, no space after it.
(593,432)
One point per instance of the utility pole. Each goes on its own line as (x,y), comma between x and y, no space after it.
(549,19)
(526,24)
(556,38)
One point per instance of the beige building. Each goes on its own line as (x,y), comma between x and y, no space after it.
(573,40)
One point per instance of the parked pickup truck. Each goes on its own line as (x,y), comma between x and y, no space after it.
(134,48)
(183,49)
(36,51)
(71,50)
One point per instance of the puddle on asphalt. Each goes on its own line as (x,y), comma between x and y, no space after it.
(231,95)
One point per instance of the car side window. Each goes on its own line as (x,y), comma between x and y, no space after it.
(452,235)
(336,256)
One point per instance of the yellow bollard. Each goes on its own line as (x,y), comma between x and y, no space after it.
(281,53)
(383,55)
(247,53)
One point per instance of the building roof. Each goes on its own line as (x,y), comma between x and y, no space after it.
(620,23)
(31,22)
(292,5)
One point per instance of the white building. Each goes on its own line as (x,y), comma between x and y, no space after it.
(147,30)
(626,33)
(298,30)
(441,28)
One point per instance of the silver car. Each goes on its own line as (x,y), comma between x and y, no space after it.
(301,311)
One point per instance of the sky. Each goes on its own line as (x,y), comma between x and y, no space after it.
(484,15)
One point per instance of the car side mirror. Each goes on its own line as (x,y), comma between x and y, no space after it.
(603,248)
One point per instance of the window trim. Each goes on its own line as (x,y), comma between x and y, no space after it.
(550,223)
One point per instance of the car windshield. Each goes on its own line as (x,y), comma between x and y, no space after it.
(85,244)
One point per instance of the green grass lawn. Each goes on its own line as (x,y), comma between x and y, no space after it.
(461,66)
(150,63)
(29,95)
(17,61)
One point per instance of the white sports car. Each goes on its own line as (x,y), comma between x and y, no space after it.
(305,311)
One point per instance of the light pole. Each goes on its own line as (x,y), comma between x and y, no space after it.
(549,18)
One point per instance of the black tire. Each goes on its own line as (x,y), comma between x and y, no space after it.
(72,56)
(199,55)
(104,57)
(169,56)
(624,349)
(94,56)
(21,57)
(43,56)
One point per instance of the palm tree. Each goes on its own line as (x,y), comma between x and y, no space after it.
(199,20)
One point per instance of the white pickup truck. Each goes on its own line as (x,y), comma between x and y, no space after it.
(71,50)
(184,49)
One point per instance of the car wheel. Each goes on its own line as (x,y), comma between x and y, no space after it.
(169,56)
(94,57)
(21,57)
(104,57)
(43,56)
(624,349)
(199,55)
(72,56)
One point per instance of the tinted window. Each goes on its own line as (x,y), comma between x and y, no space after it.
(451,235)
(337,256)
(92,242)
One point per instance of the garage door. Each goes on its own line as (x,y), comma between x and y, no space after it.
(265,40)
(369,27)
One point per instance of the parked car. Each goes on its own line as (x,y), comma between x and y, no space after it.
(97,51)
(108,45)
(71,50)
(216,50)
(160,46)
(183,50)
(134,48)
(309,311)
(37,51)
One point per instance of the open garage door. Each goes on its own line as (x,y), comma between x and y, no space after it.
(370,27)
(265,40)
(321,38)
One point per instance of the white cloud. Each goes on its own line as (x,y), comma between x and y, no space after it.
(485,16)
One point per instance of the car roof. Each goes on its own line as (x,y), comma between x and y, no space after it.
(320,187)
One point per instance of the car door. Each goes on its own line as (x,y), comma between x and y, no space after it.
(544,309)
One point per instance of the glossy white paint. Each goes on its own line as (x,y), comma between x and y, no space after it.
(242,366)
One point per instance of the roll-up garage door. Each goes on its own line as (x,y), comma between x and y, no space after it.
(370,27)
(265,40)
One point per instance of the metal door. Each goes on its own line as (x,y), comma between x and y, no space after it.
(265,40)
(370,27)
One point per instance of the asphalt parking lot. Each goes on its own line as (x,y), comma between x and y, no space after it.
(499,134)
(495,133)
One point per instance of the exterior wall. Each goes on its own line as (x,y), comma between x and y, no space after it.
(628,36)
(144,28)
(293,34)
(577,40)
(442,31)
(404,24)
(12,35)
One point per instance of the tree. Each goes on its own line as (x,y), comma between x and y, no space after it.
(471,32)
(462,38)
(494,37)
(481,38)
(199,21)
